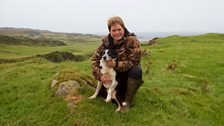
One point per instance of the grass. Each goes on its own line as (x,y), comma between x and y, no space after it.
(191,94)
(16,51)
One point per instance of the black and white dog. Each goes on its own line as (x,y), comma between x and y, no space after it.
(110,72)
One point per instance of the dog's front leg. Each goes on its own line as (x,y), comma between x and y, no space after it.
(99,85)
(110,91)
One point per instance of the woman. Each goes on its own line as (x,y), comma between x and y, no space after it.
(129,72)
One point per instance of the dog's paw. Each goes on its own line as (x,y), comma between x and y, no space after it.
(92,97)
(124,104)
(107,100)
(118,109)
(122,109)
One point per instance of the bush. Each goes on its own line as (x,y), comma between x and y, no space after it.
(57,56)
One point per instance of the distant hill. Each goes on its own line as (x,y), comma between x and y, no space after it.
(208,37)
(23,40)
(28,36)
(34,32)
(13,31)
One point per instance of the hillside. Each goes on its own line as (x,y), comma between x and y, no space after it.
(43,37)
(32,32)
(16,31)
(36,32)
(183,76)
(23,40)
(204,38)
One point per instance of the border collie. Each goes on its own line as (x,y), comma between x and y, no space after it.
(108,55)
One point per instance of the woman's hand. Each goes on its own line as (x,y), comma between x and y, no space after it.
(105,79)
(111,63)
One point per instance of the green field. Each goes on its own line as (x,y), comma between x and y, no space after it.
(190,95)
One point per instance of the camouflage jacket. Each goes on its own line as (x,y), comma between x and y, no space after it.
(129,54)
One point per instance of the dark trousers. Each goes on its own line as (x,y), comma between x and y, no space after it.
(122,78)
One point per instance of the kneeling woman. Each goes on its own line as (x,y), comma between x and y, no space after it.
(129,72)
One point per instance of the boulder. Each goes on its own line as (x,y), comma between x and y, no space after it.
(70,87)
(67,84)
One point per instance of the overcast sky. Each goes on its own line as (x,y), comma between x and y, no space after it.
(90,16)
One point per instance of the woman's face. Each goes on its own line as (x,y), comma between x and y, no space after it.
(116,32)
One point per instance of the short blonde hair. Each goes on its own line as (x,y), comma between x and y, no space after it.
(113,20)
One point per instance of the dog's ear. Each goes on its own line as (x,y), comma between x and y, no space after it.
(114,54)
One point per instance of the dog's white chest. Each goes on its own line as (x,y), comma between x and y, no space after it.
(108,71)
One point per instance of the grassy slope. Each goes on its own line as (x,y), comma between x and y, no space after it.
(195,89)
(16,51)
(25,48)
(192,94)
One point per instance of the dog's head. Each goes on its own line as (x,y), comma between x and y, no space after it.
(109,54)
